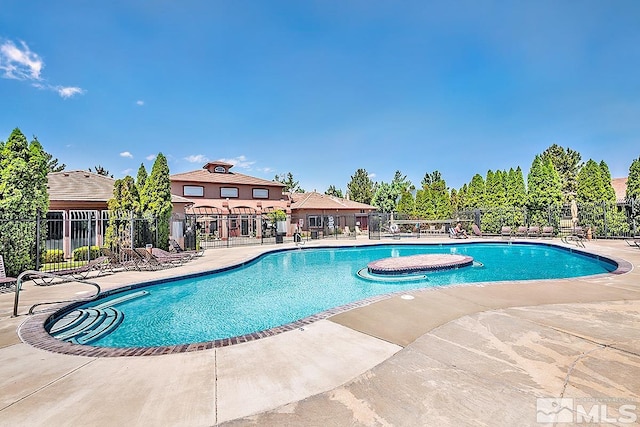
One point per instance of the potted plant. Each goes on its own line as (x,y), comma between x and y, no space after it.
(279,218)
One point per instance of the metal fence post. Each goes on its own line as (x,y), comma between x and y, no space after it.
(38,219)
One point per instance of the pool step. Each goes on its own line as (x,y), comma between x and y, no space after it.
(123,298)
(85,325)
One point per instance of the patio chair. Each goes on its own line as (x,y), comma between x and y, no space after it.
(476,230)
(182,256)
(533,231)
(505,231)
(577,236)
(521,231)
(5,282)
(149,261)
(116,262)
(176,247)
(633,242)
(100,264)
(547,231)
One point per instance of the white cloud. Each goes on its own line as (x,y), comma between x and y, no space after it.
(140,102)
(126,154)
(371,175)
(240,162)
(266,170)
(197,158)
(18,62)
(68,92)
(127,171)
(150,157)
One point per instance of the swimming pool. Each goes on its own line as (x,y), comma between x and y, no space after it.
(282,287)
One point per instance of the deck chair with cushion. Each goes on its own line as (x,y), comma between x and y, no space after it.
(547,231)
(476,230)
(5,282)
(149,261)
(521,231)
(505,231)
(533,231)
(182,256)
(177,248)
(577,236)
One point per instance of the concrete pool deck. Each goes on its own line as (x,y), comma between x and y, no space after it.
(465,355)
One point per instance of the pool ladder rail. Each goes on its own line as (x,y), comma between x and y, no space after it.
(67,278)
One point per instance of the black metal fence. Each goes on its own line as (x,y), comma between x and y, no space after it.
(604,220)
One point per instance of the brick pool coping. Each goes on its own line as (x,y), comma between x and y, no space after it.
(32,331)
(418,263)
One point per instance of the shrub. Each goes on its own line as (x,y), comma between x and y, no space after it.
(80,254)
(53,255)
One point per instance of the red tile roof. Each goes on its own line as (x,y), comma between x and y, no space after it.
(317,201)
(205,176)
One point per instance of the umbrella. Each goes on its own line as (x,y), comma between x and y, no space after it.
(574,212)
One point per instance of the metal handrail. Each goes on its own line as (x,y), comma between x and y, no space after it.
(52,276)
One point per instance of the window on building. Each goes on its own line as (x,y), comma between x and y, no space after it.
(193,191)
(260,193)
(228,192)
(219,169)
(315,221)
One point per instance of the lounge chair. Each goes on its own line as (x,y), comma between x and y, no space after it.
(5,282)
(476,230)
(505,231)
(116,262)
(633,242)
(547,231)
(182,256)
(577,236)
(455,235)
(533,231)
(521,231)
(176,247)
(149,261)
(100,264)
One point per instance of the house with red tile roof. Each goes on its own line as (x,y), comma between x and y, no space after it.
(228,204)
(78,214)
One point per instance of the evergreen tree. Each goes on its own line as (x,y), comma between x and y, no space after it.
(101,171)
(424,208)
(633,192)
(440,198)
(567,163)
(384,198)
(516,190)
(52,164)
(606,178)
(157,196)
(406,205)
(23,193)
(290,185)
(475,192)
(591,183)
(361,188)
(544,195)
(633,181)
(333,191)
(123,207)
(141,180)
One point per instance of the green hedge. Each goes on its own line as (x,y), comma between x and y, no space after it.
(80,254)
(53,255)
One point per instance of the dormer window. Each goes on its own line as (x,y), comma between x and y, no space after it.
(220,169)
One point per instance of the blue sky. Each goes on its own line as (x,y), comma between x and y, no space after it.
(322,88)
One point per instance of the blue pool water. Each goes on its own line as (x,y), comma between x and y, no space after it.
(286,286)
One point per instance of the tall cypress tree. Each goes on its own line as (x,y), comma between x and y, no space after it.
(23,193)
(361,188)
(141,180)
(544,195)
(633,181)
(475,192)
(157,195)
